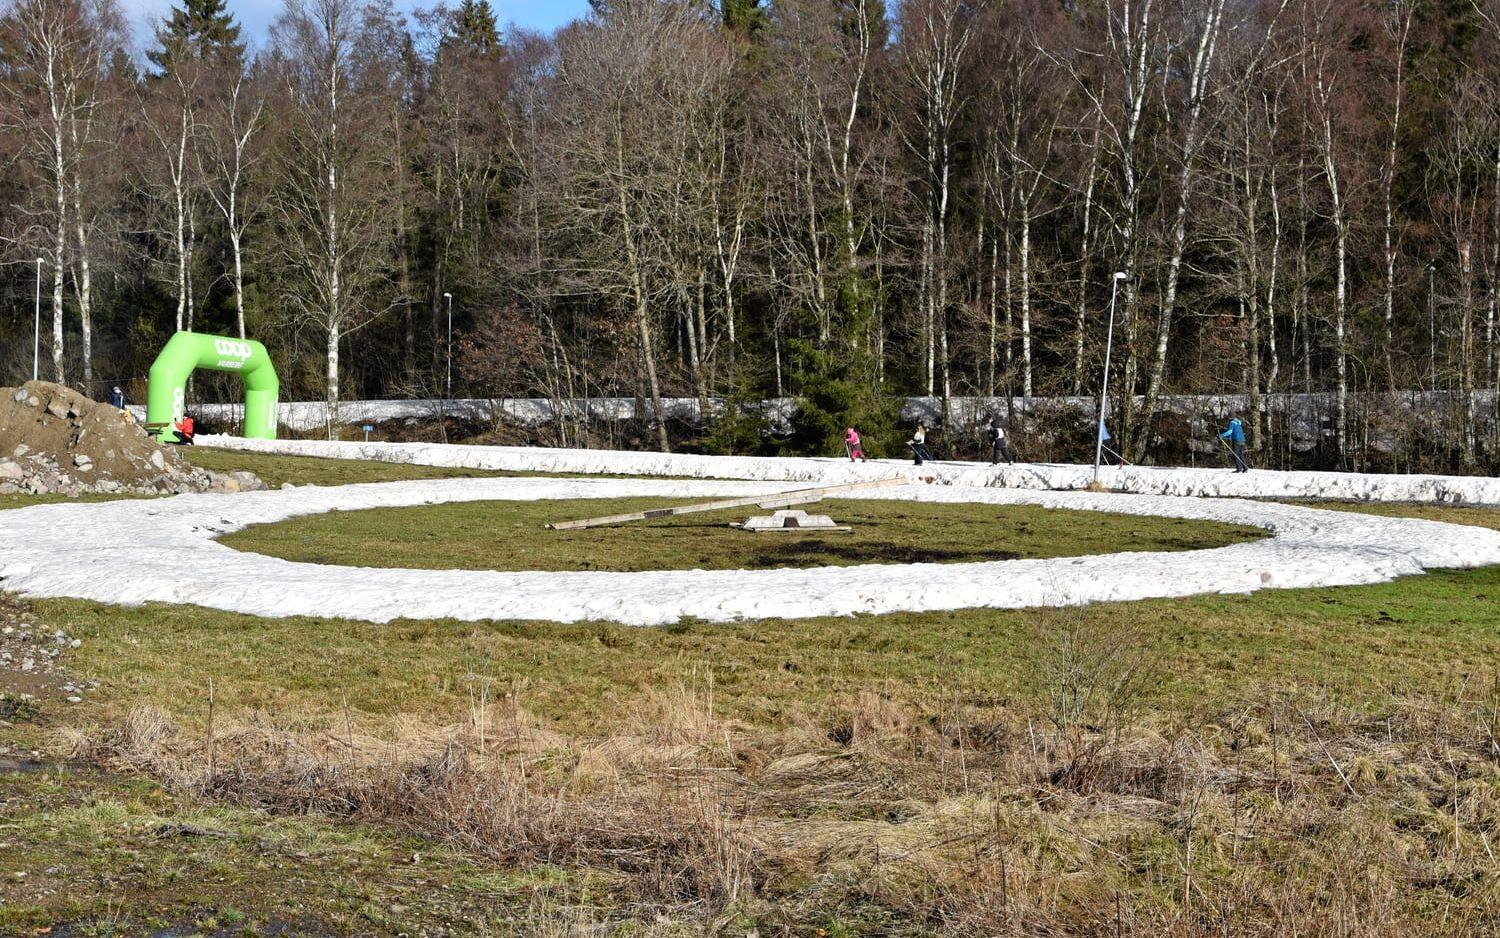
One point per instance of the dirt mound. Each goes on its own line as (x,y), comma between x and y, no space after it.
(55,440)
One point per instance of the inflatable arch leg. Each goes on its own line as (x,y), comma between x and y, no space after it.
(185,353)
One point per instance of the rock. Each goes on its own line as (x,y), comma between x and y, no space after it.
(21,450)
(10,470)
(83,462)
(157,460)
(75,699)
(249,481)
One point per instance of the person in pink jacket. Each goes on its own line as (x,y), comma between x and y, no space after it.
(852,445)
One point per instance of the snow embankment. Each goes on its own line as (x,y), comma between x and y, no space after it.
(1140,480)
(131,552)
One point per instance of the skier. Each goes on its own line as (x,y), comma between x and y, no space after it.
(852,445)
(999,444)
(1105,448)
(918,444)
(117,398)
(1235,434)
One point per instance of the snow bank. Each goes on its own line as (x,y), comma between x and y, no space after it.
(131,552)
(1306,413)
(302,416)
(1142,480)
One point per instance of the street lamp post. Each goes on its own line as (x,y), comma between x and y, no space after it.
(36,334)
(1109,346)
(449,382)
(1432,327)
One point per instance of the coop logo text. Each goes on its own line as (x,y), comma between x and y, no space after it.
(232,353)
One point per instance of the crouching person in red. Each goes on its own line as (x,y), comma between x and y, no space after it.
(183,431)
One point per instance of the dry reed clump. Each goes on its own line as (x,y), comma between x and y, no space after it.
(1284,815)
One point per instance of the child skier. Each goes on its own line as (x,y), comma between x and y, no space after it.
(852,445)
(1235,434)
(999,444)
(918,444)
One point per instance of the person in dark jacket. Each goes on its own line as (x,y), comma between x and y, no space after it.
(918,444)
(117,398)
(999,443)
(1235,435)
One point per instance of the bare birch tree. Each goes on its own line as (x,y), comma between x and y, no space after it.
(59,52)
(333,229)
(231,121)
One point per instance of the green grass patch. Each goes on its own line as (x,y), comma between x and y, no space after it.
(510,535)
(104,854)
(1355,643)
(316,470)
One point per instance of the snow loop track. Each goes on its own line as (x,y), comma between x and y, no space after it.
(1140,480)
(131,552)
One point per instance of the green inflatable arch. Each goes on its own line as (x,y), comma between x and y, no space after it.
(185,352)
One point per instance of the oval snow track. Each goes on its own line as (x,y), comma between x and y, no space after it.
(130,552)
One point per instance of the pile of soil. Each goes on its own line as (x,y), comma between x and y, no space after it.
(55,440)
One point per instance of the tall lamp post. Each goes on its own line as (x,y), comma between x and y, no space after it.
(1109,347)
(449,382)
(1432,326)
(36,334)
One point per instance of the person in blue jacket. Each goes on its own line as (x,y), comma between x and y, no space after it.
(1235,434)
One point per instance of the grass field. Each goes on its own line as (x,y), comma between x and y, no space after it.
(309,470)
(512,536)
(1309,760)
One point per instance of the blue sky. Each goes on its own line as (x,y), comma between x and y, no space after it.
(256,15)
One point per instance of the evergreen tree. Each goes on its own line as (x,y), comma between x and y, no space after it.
(198,30)
(744,18)
(474,25)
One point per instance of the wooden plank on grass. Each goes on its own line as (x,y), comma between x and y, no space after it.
(779,500)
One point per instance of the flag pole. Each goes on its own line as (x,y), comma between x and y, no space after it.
(1109,345)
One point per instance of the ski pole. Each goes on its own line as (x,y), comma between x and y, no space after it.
(1237,463)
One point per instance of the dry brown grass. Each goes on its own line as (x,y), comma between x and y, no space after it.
(1282,816)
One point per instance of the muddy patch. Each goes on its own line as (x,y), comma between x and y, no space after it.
(821,552)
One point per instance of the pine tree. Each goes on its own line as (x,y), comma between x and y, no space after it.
(474,25)
(198,30)
(744,18)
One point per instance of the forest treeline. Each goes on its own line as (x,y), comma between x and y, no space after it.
(834,200)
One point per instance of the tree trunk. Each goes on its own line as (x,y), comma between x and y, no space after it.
(84,285)
(1466,350)
(1197,91)
(1026,388)
(332,399)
